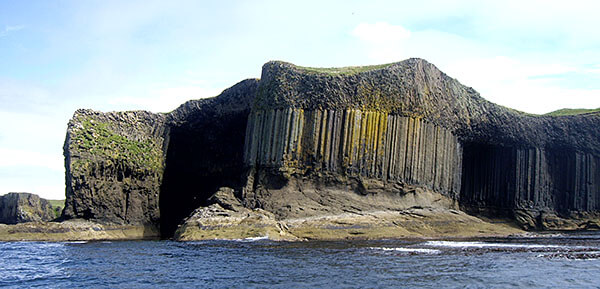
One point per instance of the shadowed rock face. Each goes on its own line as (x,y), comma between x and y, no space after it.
(296,141)
(24,207)
(206,142)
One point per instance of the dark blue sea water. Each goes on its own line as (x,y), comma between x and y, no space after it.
(558,261)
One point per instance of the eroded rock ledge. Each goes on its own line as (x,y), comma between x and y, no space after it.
(397,150)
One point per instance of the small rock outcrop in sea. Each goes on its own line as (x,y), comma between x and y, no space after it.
(24,207)
(370,152)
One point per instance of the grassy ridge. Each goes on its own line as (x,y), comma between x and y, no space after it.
(348,70)
(572,111)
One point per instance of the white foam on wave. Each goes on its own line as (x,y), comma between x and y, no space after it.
(250,239)
(577,256)
(455,244)
(253,239)
(408,250)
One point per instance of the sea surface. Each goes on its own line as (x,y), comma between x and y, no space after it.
(553,261)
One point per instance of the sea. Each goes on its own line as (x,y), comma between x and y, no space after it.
(547,261)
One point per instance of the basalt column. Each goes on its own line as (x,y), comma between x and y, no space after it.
(355,143)
(500,179)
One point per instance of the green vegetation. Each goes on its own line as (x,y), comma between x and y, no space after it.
(572,111)
(349,70)
(57,206)
(100,140)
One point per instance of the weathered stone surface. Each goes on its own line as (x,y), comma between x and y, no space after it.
(550,221)
(75,230)
(356,144)
(339,219)
(24,207)
(114,166)
(215,222)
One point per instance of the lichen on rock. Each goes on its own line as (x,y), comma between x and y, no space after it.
(114,163)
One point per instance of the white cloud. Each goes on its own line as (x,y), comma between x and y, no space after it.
(9,29)
(384,42)
(19,157)
(381,33)
(515,83)
(13,28)
(163,99)
(24,170)
(49,186)
(516,80)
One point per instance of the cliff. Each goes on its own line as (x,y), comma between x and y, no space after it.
(24,207)
(408,122)
(146,169)
(310,143)
(114,166)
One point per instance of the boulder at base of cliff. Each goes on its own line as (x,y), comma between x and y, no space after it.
(24,207)
(227,219)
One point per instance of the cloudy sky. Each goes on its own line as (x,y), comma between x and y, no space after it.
(57,56)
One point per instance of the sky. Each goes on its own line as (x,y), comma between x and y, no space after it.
(58,56)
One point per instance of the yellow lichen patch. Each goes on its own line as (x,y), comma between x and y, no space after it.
(355,142)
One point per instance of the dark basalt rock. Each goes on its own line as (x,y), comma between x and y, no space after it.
(205,150)
(363,131)
(114,166)
(24,207)
(141,168)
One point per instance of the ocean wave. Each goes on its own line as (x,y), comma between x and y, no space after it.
(589,255)
(457,244)
(408,250)
(75,242)
(254,239)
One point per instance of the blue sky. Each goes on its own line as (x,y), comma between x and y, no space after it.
(57,56)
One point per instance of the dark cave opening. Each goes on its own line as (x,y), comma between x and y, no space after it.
(488,179)
(204,154)
(499,179)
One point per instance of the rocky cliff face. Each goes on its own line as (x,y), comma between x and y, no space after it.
(141,168)
(114,166)
(24,207)
(305,142)
(408,122)
(205,150)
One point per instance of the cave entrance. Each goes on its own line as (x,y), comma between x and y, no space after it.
(203,154)
(488,178)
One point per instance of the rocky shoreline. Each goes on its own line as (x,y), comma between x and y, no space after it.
(217,223)
(214,222)
(75,230)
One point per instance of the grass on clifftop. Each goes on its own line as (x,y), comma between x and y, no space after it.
(100,140)
(348,70)
(57,206)
(572,111)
